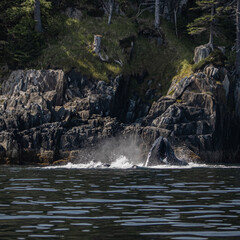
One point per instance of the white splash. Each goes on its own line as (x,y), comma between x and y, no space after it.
(191,165)
(91,164)
(121,163)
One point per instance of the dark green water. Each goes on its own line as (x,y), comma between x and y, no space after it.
(179,204)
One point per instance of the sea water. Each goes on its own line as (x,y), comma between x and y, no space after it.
(92,201)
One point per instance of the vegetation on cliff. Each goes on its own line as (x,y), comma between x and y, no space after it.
(68,28)
(96,69)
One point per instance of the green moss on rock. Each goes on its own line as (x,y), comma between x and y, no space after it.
(216,57)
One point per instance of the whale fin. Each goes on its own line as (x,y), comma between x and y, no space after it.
(161,152)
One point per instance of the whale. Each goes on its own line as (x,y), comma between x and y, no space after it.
(161,153)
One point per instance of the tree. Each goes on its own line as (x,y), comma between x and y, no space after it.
(157,14)
(175,11)
(232,10)
(150,5)
(37,16)
(3,29)
(206,22)
(237,63)
(22,25)
(110,7)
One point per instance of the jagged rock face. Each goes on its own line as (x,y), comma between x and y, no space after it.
(196,114)
(44,115)
(47,115)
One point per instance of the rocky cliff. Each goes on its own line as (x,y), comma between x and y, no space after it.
(197,114)
(48,116)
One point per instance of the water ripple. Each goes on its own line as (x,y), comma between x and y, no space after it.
(73,203)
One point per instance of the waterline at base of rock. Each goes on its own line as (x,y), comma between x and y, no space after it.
(123,162)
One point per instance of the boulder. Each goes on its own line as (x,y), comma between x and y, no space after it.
(202,52)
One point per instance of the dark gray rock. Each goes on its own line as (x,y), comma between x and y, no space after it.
(177,88)
(46,112)
(47,116)
(197,118)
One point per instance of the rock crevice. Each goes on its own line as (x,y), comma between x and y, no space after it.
(47,116)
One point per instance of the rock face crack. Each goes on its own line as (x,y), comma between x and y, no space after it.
(54,114)
(193,114)
(47,115)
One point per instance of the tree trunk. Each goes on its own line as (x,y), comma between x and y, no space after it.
(97,44)
(238,39)
(175,21)
(37,16)
(211,27)
(111,4)
(157,11)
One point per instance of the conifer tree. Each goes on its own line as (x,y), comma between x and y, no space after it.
(23,25)
(206,22)
(37,16)
(232,9)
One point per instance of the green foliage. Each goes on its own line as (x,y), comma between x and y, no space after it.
(73,49)
(215,13)
(185,70)
(67,43)
(73,46)
(24,9)
(183,49)
(206,4)
(202,23)
(199,25)
(24,44)
(216,58)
